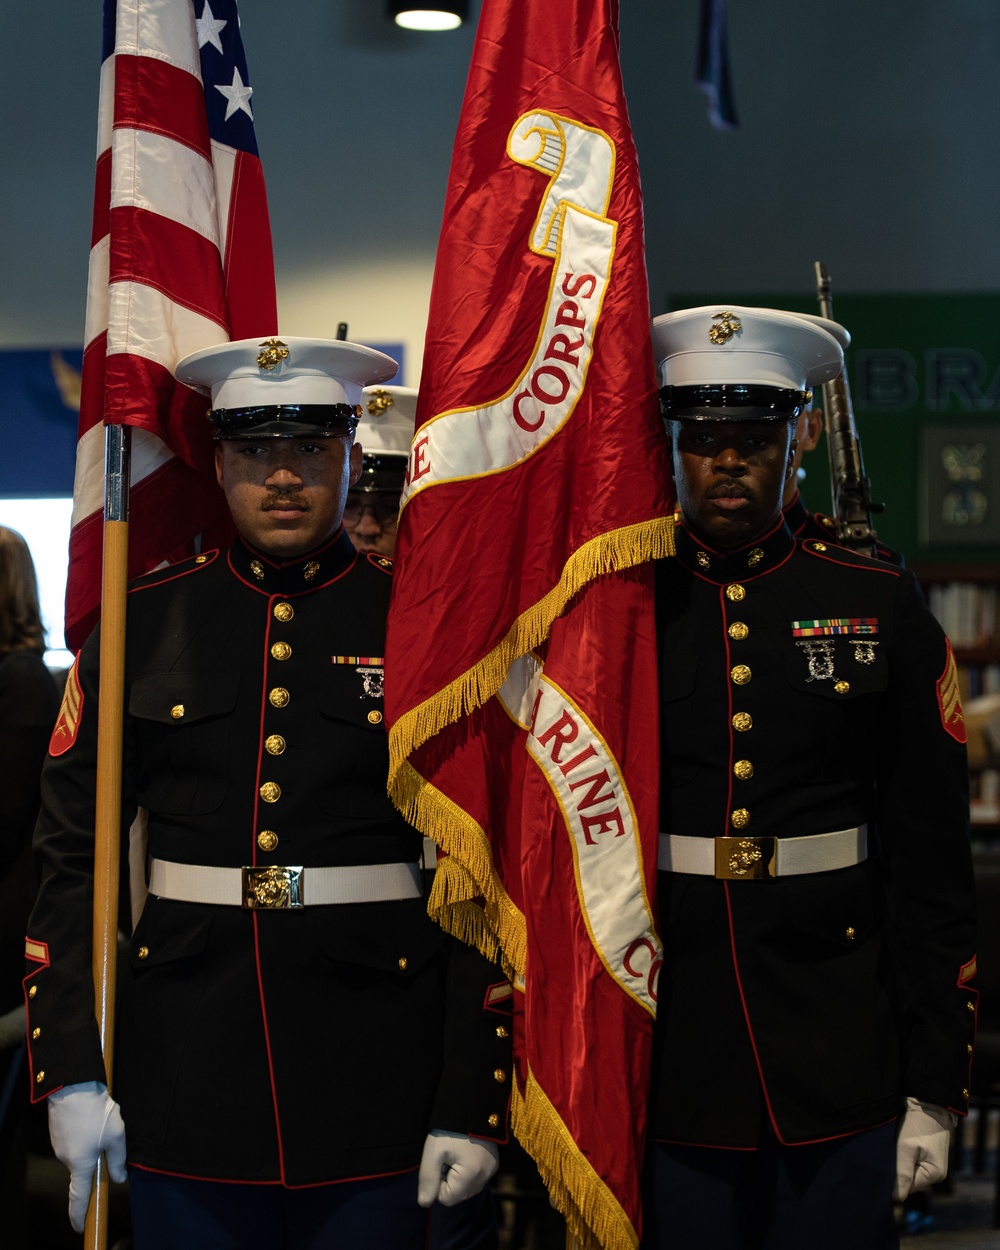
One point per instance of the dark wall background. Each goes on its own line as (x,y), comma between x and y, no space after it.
(867,139)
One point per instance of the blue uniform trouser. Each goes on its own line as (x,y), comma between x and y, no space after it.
(172,1213)
(834,1195)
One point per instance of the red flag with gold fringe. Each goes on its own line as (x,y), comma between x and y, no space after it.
(521,665)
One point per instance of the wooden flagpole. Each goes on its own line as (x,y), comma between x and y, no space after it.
(107,831)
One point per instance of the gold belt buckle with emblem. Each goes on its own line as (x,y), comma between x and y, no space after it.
(744,859)
(272,888)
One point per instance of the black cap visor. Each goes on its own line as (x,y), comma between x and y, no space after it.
(285,421)
(733,402)
(380,472)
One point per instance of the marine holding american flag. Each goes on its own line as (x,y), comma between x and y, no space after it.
(305,1058)
(816,1006)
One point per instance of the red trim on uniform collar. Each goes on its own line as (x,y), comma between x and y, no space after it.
(754,559)
(299,576)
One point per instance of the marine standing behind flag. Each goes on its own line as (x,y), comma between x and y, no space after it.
(180,258)
(521,670)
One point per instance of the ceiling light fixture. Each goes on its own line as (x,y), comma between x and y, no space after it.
(436,15)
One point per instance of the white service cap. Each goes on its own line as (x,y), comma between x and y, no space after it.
(311,374)
(746,363)
(387,418)
(385,433)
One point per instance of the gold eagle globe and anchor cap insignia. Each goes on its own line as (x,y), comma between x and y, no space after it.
(378,401)
(729,324)
(272,353)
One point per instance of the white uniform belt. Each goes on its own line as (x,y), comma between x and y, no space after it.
(274,888)
(748,859)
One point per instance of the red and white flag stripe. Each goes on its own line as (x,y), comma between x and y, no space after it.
(180,259)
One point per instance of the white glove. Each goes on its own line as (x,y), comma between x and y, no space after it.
(454,1167)
(922,1146)
(84,1120)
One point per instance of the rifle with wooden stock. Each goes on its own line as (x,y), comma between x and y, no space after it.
(850,490)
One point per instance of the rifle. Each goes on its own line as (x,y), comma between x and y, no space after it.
(850,490)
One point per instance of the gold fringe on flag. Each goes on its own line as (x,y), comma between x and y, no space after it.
(614,550)
(467,899)
(591,1211)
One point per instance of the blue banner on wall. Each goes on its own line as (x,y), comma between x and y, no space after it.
(39,407)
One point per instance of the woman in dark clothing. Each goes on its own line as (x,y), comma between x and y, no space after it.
(29,701)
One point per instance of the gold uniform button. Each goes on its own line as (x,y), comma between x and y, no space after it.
(849,933)
(501,1031)
(39,1078)
(143,952)
(738,631)
(283,611)
(280,650)
(33,991)
(36,1034)
(499,1075)
(741,674)
(743,770)
(267,839)
(374,717)
(740,818)
(270,792)
(403,963)
(274,744)
(493,1120)
(736,593)
(742,721)
(177,711)
(842,687)
(279,697)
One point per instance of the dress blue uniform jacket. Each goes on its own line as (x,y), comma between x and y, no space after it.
(806,689)
(292,1046)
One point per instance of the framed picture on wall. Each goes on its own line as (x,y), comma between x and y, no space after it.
(960,476)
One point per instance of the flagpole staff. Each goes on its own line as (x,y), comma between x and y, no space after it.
(107,822)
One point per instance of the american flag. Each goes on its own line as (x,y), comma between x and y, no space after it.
(180,259)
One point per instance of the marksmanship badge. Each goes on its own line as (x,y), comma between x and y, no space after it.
(372,670)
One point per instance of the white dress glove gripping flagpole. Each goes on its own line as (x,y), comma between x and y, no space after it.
(922,1147)
(83,1121)
(454,1167)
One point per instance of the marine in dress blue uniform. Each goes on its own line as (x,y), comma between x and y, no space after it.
(816,1000)
(291,1017)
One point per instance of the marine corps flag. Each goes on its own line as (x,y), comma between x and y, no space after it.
(520,668)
